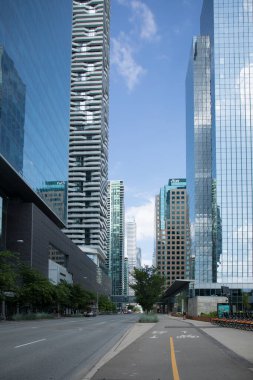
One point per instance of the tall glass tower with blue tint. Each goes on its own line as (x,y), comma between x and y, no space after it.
(115,235)
(219,101)
(35,56)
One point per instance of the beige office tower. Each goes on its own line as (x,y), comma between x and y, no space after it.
(172,231)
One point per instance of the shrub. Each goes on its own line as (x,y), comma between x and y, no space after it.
(31,316)
(148,318)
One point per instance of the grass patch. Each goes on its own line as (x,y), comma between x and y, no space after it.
(31,316)
(148,318)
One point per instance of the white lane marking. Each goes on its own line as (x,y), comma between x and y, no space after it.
(100,323)
(187,336)
(26,344)
(160,332)
(153,337)
(184,332)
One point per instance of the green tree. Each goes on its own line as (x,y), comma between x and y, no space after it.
(147,287)
(62,296)
(36,290)
(105,304)
(80,298)
(9,271)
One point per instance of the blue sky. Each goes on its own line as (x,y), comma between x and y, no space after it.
(150,45)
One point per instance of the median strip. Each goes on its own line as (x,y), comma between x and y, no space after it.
(26,344)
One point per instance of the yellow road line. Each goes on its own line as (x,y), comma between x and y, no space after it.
(173,360)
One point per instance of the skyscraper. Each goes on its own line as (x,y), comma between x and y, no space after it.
(88,141)
(54,193)
(12,114)
(116,233)
(172,231)
(131,249)
(219,148)
(138,257)
(35,55)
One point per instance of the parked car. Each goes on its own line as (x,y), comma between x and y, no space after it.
(90,314)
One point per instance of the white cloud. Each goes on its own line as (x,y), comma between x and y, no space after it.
(144,218)
(122,58)
(141,12)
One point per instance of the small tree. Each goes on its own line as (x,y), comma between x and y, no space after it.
(36,290)
(105,304)
(80,298)
(148,286)
(9,264)
(63,296)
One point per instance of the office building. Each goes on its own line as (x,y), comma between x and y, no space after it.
(138,257)
(115,236)
(219,150)
(12,115)
(131,249)
(55,195)
(35,58)
(88,140)
(172,231)
(126,277)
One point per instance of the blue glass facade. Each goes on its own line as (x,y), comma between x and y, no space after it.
(219,145)
(35,56)
(115,236)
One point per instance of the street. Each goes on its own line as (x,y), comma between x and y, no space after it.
(58,349)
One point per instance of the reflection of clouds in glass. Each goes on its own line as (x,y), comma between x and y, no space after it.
(244,232)
(246,91)
(248,8)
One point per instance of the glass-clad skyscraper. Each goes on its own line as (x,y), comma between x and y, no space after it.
(131,249)
(115,235)
(220,147)
(88,141)
(35,56)
(12,112)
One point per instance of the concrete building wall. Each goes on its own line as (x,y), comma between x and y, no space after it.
(204,304)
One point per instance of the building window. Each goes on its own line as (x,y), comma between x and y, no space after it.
(91,33)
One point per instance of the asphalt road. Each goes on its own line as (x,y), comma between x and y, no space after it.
(63,349)
(176,350)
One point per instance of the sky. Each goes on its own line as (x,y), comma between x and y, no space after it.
(150,47)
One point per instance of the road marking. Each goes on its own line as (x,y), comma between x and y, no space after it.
(99,323)
(26,344)
(187,336)
(160,332)
(153,337)
(173,360)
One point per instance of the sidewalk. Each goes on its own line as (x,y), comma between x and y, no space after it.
(134,356)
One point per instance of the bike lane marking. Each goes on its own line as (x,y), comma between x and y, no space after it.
(173,360)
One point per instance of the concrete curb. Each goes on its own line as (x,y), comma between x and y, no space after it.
(129,337)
